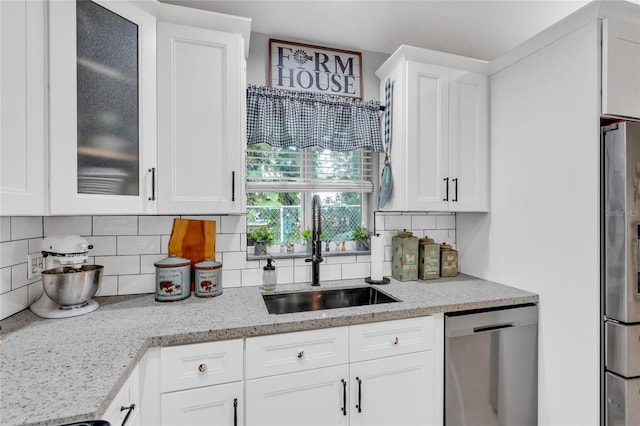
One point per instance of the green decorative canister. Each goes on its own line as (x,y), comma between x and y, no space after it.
(428,259)
(448,261)
(404,253)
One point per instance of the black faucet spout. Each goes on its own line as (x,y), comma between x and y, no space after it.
(316,241)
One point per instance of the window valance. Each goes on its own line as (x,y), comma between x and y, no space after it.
(283,118)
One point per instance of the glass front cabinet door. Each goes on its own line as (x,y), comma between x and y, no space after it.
(102,108)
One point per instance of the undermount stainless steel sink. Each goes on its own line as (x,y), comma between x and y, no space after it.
(286,303)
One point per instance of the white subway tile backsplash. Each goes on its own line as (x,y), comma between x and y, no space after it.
(155,225)
(136,284)
(5,229)
(19,276)
(332,260)
(233,224)
(141,244)
(119,265)
(128,247)
(115,225)
(231,278)
(446,222)
(13,252)
(355,270)
(103,246)
(35,245)
(237,260)
(13,302)
(228,242)
(147,262)
(302,274)
(397,223)
(108,286)
(388,253)
(5,279)
(63,225)
(439,235)
(330,272)
(26,227)
(251,277)
(423,222)
(285,274)
(164,244)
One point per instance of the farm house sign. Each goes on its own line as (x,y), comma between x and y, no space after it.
(296,66)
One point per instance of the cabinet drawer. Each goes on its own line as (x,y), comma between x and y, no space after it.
(290,352)
(381,339)
(200,364)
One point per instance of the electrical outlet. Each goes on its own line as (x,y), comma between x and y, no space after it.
(35,265)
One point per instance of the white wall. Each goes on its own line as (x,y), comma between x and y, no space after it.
(542,234)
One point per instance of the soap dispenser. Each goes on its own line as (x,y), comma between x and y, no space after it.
(269,276)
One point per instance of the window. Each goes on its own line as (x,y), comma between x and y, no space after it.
(282,181)
(301,144)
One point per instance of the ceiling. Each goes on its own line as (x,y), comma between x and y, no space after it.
(475,28)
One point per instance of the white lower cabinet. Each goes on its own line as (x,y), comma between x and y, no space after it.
(125,408)
(317,397)
(393,391)
(201,384)
(211,405)
(385,374)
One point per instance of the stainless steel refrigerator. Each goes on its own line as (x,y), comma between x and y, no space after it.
(621,272)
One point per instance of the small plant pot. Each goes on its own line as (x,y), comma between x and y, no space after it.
(361,246)
(260,249)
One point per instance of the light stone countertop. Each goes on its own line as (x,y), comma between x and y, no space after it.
(55,371)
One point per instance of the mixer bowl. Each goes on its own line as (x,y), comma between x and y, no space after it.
(72,287)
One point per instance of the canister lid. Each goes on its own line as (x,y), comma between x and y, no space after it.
(404,233)
(426,240)
(172,260)
(445,246)
(208,264)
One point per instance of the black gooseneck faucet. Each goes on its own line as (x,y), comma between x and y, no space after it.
(316,242)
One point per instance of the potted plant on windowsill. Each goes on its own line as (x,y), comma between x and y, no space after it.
(307,236)
(361,235)
(262,237)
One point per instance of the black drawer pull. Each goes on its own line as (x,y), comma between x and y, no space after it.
(130,408)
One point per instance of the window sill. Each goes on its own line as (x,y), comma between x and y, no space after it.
(304,255)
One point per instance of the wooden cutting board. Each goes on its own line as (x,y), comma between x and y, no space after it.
(194,240)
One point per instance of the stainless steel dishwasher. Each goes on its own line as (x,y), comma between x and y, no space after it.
(491,367)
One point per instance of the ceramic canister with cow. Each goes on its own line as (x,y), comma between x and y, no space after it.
(208,278)
(173,279)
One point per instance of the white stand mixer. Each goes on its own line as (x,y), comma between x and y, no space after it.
(63,251)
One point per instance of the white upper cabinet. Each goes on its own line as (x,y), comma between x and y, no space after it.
(102,83)
(201,120)
(620,68)
(440,139)
(23,134)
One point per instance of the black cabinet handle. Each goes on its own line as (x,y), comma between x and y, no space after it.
(153,184)
(235,411)
(233,186)
(344,397)
(455,180)
(446,191)
(359,405)
(130,408)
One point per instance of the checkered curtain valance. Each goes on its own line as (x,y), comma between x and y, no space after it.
(283,118)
